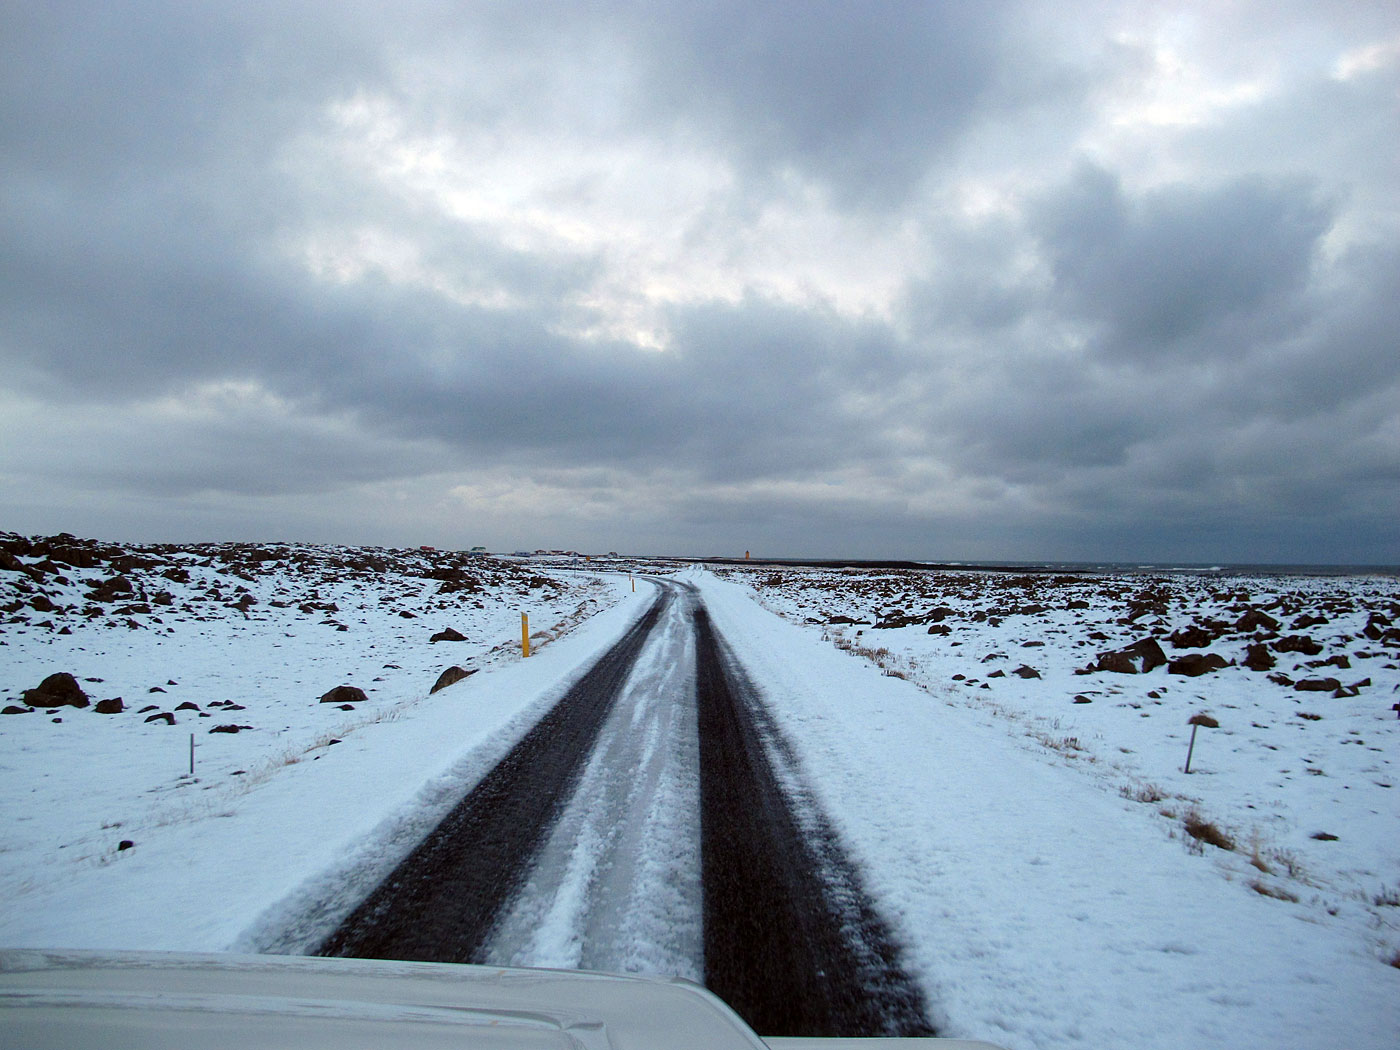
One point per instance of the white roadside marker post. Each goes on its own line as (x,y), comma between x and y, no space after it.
(1195,722)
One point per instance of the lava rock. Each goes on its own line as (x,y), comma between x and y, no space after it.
(113,706)
(1307,620)
(1258,658)
(1193,637)
(1256,620)
(1317,685)
(116,588)
(57,690)
(1298,643)
(163,716)
(1193,665)
(1139,658)
(451,676)
(448,635)
(1025,671)
(229,729)
(344,694)
(10,563)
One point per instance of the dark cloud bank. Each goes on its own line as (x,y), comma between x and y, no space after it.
(1121,364)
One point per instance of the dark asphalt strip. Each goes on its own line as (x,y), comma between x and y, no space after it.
(791,942)
(440,903)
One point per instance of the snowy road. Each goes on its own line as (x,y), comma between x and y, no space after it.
(653,821)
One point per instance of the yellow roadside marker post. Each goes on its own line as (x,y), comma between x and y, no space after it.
(525,634)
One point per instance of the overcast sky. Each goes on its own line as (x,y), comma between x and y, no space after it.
(1019,280)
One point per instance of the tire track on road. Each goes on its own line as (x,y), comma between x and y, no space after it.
(789,938)
(791,941)
(440,903)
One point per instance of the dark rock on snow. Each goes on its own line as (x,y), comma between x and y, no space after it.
(1194,665)
(1256,620)
(345,694)
(451,676)
(1298,643)
(10,563)
(57,690)
(1139,658)
(1193,637)
(1258,658)
(113,706)
(448,635)
(1317,685)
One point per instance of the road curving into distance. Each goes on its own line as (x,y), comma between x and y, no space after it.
(653,821)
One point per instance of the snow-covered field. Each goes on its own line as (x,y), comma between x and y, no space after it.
(1027,837)
(253,637)
(1032,831)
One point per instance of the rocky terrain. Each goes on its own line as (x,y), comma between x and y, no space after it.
(138,679)
(61,584)
(1307,634)
(1282,690)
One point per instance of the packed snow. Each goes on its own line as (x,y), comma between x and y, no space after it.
(1035,851)
(1025,837)
(306,809)
(616,887)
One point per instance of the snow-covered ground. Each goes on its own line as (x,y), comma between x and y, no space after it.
(311,802)
(1029,850)
(1033,850)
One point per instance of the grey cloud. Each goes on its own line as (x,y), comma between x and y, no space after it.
(1184,362)
(98,91)
(1269,394)
(747,390)
(239,452)
(859,97)
(1161,270)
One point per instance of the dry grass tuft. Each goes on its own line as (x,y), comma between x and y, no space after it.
(1203,830)
(1142,792)
(1065,745)
(1277,893)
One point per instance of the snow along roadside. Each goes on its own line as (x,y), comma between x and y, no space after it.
(309,840)
(1037,910)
